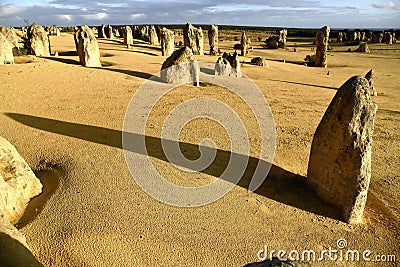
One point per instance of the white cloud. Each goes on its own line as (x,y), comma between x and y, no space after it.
(97,16)
(137,16)
(65,17)
(7,9)
(388,5)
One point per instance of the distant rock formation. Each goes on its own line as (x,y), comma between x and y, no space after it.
(259,61)
(87,47)
(213,39)
(194,39)
(109,32)
(181,67)
(389,38)
(53,30)
(101,31)
(363,48)
(6,51)
(243,45)
(38,41)
(128,37)
(153,38)
(322,47)
(228,65)
(167,42)
(339,168)
(282,37)
(340,37)
(144,33)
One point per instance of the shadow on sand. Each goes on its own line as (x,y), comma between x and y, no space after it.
(280,185)
(306,84)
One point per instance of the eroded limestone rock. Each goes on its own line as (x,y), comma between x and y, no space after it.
(322,47)
(181,67)
(167,42)
(87,47)
(38,38)
(339,169)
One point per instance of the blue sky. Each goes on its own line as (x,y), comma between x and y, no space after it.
(281,13)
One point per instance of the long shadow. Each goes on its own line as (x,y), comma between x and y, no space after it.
(147,46)
(68,53)
(280,185)
(13,253)
(144,52)
(306,84)
(63,60)
(134,73)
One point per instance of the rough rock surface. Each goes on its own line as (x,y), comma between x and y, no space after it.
(109,32)
(153,38)
(363,48)
(282,37)
(370,76)
(259,61)
(87,47)
(339,169)
(167,42)
(322,47)
(228,65)
(128,37)
(6,53)
(213,39)
(10,35)
(18,184)
(101,31)
(243,45)
(193,38)
(53,30)
(38,38)
(144,33)
(181,67)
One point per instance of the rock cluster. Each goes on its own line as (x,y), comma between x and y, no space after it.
(339,168)
(53,30)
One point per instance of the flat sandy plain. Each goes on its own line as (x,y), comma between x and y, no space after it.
(66,121)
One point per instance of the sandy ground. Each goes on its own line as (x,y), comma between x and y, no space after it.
(67,118)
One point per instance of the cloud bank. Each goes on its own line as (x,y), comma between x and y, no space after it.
(284,13)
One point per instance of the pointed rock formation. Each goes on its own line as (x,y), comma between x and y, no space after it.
(339,169)
(167,42)
(213,39)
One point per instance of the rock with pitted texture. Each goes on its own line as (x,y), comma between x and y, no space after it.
(87,47)
(228,65)
(153,37)
(128,37)
(18,183)
(167,42)
(6,51)
(38,41)
(10,34)
(339,169)
(370,76)
(194,39)
(322,47)
(181,67)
